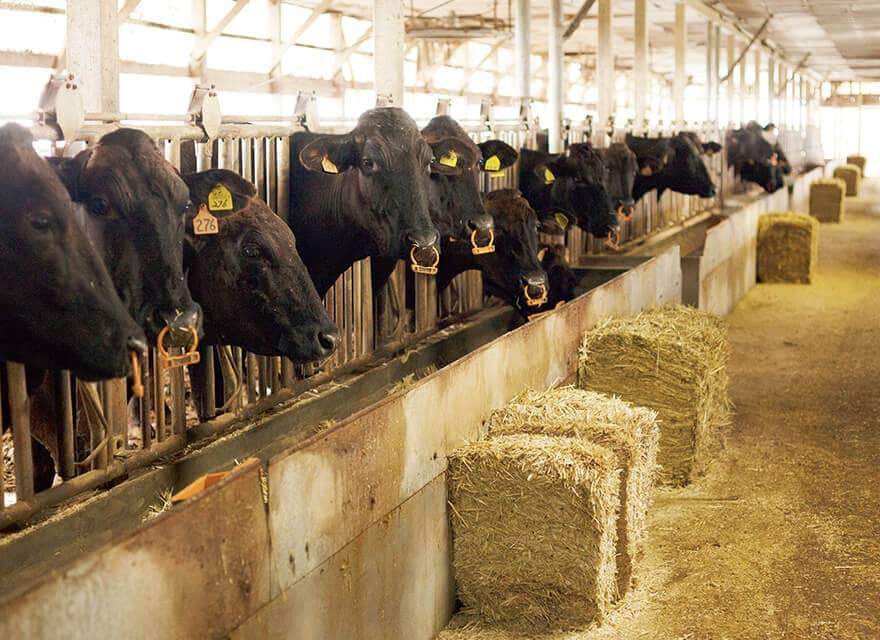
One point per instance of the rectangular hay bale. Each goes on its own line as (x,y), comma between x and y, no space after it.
(851,175)
(534,524)
(827,199)
(859,161)
(630,432)
(672,359)
(788,247)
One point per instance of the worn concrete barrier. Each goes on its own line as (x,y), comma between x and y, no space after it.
(354,539)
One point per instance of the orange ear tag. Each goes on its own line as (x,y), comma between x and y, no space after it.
(328,166)
(204,223)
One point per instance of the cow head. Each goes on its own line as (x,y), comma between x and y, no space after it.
(392,162)
(560,275)
(254,288)
(577,188)
(769,176)
(135,203)
(513,272)
(58,307)
(456,207)
(621,167)
(685,170)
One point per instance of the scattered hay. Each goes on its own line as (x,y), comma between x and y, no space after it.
(411,378)
(159,507)
(534,523)
(672,359)
(827,199)
(8,463)
(631,433)
(788,247)
(858,161)
(851,175)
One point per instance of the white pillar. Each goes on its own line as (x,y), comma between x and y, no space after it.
(388,50)
(732,78)
(554,75)
(710,78)
(93,53)
(716,77)
(757,84)
(680,63)
(642,78)
(605,69)
(743,88)
(522,48)
(771,91)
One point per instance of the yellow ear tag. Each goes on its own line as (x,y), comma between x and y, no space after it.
(549,178)
(328,166)
(450,159)
(497,174)
(220,199)
(492,164)
(561,220)
(204,224)
(710,152)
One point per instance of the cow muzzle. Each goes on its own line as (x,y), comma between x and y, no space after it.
(625,212)
(535,290)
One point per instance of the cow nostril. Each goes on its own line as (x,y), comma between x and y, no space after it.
(328,340)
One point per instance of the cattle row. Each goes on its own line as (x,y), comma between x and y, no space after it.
(114,249)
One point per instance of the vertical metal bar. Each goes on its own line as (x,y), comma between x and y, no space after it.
(339,315)
(350,312)
(159,375)
(389,38)
(605,71)
(146,403)
(367,314)
(555,77)
(251,378)
(680,63)
(710,80)
(178,401)
(771,90)
(20,418)
(757,85)
(522,47)
(283,178)
(263,372)
(641,75)
(64,420)
(210,382)
(743,90)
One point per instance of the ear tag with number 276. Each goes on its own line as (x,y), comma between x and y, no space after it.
(204,223)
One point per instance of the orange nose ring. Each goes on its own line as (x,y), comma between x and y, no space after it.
(137,387)
(478,250)
(191,356)
(535,302)
(625,216)
(425,271)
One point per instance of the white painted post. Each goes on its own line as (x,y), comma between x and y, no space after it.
(605,71)
(732,78)
(93,53)
(757,84)
(522,48)
(716,77)
(680,64)
(771,90)
(710,65)
(642,79)
(554,75)
(388,49)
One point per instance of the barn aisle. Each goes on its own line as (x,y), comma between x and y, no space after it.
(781,538)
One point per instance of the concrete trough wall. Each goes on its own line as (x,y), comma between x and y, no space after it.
(354,541)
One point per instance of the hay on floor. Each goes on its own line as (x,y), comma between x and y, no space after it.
(859,161)
(534,523)
(827,199)
(788,247)
(630,432)
(851,175)
(672,359)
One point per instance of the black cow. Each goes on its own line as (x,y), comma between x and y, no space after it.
(512,271)
(621,168)
(754,159)
(58,307)
(572,185)
(248,277)
(561,277)
(135,203)
(363,193)
(673,163)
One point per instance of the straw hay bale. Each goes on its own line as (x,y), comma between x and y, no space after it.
(534,523)
(827,199)
(851,175)
(788,246)
(631,433)
(672,359)
(858,161)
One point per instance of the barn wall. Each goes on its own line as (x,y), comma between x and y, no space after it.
(354,541)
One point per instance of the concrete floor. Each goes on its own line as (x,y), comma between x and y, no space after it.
(781,539)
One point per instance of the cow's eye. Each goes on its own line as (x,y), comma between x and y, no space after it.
(368,164)
(40,221)
(251,250)
(98,206)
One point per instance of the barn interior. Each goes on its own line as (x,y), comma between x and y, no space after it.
(227,482)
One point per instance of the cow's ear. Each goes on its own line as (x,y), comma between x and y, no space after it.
(221,190)
(329,154)
(497,155)
(70,169)
(452,157)
(711,148)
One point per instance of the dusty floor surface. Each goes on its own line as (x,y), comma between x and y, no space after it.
(781,539)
